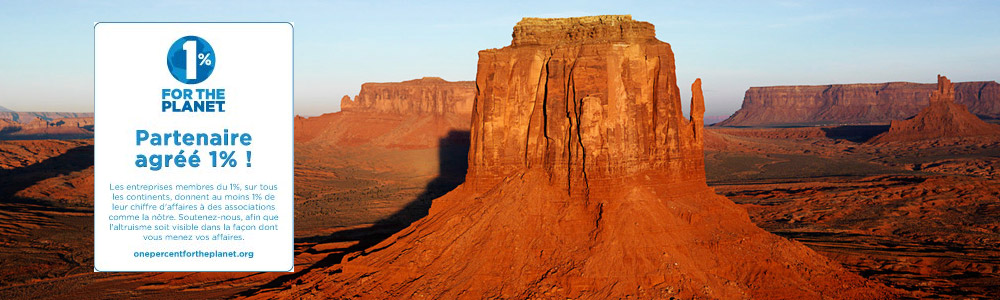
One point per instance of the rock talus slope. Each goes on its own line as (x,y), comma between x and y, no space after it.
(942,118)
(854,103)
(585,181)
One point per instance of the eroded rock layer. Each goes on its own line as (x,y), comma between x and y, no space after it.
(585,182)
(428,95)
(942,118)
(854,103)
(602,106)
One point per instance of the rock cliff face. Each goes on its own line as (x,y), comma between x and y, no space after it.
(585,182)
(942,118)
(594,29)
(585,99)
(854,103)
(428,95)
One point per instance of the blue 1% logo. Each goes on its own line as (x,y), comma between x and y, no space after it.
(191,59)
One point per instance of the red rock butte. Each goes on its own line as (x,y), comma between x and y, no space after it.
(587,100)
(942,118)
(585,181)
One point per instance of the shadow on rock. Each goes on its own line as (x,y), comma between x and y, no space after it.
(14,180)
(855,133)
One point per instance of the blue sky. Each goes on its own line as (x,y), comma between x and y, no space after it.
(47,48)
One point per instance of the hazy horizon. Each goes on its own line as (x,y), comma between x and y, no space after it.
(731,45)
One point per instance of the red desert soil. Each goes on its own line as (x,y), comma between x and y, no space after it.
(354,186)
(56,171)
(23,153)
(917,215)
(585,181)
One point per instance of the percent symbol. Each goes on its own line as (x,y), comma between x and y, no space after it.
(204,59)
(227,158)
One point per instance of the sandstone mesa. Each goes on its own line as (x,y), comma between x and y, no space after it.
(413,114)
(854,103)
(428,95)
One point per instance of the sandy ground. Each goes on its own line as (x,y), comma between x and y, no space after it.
(922,217)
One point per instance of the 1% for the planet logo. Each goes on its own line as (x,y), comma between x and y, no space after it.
(190,59)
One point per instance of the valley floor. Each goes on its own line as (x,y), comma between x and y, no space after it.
(921,217)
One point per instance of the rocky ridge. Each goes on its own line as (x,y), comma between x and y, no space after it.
(854,103)
(37,128)
(942,118)
(27,117)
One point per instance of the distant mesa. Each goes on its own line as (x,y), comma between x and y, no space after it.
(45,125)
(428,95)
(4,109)
(27,117)
(942,118)
(585,181)
(413,114)
(854,103)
